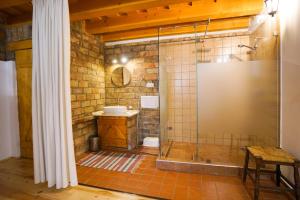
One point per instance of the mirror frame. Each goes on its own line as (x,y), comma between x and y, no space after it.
(111,79)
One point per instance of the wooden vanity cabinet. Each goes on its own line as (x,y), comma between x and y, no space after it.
(117,131)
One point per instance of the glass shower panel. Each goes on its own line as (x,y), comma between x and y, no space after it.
(177,63)
(217,94)
(237,106)
(163,89)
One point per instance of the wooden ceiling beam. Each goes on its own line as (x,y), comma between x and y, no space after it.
(215,25)
(83,9)
(181,13)
(10,3)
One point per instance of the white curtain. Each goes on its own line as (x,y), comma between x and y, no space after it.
(53,148)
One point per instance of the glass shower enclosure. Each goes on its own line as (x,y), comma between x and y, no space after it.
(216,97)
(178,94)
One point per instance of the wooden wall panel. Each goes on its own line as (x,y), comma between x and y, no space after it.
(24,74)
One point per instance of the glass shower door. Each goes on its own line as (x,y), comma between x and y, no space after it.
(178,118)
(237,101)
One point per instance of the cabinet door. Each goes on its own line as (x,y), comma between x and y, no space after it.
(113,131)
(24,68)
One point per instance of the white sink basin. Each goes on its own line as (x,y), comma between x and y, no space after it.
(115,109)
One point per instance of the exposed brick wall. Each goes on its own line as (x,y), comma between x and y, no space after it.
(143,65)
(87,84)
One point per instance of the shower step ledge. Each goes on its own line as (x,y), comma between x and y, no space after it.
(198,167)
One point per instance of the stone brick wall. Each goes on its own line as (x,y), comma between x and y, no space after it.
(143,65)
(87,84)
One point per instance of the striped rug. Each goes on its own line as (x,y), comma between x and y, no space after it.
(115,161)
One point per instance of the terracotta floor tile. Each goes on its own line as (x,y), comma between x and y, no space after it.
(171,174)
(196,176)
(134,177)
(195,183)
(232,192)
(153,189)
(181,192)
(159,173)
(170,178)
(208,178)
(183,179)
(156,179)
(151,171)
(277,196)
(208,190)
(141,177)
(101,185)
(194,193)
(131,190)
(228,180)
(167,190)
(137,183)
(150,181)
(140,171)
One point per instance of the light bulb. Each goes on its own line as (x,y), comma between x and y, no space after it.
(124,59)
(114,61)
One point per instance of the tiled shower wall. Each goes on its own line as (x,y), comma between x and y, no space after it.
(179,60)
(223,48)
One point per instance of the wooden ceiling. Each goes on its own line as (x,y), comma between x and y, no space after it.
(127,19)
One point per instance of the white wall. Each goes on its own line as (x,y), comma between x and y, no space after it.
(290,76)
(9,124)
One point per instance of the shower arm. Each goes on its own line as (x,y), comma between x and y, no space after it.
(252,48)
(206,29)
(255,46)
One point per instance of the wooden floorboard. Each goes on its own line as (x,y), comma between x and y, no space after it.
(16,182)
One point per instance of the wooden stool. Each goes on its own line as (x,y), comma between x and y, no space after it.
(272,156)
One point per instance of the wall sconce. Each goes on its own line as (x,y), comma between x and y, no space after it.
(272,6)
(114,61)
(124,59)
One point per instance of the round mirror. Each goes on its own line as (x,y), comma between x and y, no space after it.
(121,77)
